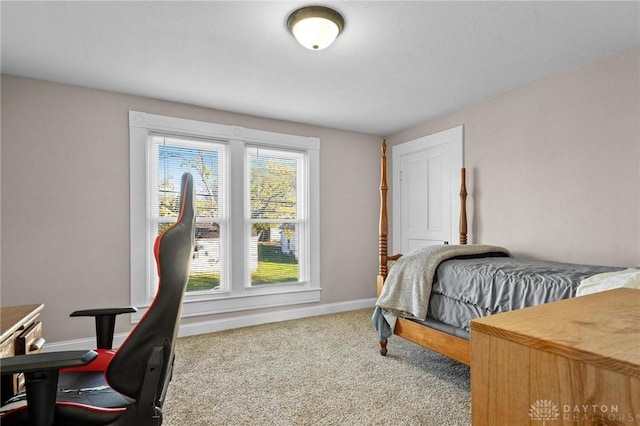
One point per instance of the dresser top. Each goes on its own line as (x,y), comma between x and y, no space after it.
(601,329)
(14,317)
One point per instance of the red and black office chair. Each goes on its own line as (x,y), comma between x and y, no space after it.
(122,387)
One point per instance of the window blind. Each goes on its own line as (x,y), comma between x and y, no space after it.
(276,215)
(170,157)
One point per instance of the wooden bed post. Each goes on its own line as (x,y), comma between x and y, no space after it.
(383,225)
(383,231)
(463,206)
(383,256)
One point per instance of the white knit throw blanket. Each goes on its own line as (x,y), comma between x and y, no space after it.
(408,286)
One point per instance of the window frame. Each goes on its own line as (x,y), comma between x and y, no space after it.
(239,296)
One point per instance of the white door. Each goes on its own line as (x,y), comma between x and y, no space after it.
(426,186)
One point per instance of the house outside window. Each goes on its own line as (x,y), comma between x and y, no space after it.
(257,228)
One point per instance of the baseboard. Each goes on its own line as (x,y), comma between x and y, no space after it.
(203,327)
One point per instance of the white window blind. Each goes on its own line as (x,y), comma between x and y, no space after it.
(277,216)
(170,157)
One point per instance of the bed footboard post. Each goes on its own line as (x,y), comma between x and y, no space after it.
(383,229)
(383,347)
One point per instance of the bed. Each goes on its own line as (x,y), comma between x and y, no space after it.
(429,295)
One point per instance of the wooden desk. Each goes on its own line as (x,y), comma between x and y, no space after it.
(575,361)
(20,333)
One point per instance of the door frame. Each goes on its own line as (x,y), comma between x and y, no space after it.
(454,138)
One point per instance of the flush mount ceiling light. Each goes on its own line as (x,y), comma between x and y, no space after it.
(315,27)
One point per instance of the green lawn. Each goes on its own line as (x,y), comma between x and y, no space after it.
(273,267)
(200,282)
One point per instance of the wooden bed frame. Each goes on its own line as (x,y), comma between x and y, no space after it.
(451,346)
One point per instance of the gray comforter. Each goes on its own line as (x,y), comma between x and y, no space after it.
(464,289)
(455,284)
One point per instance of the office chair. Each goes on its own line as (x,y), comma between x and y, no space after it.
(126,386)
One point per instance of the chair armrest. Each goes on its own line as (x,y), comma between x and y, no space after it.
(105,319)
(103,311)
(41,379)
(46,361)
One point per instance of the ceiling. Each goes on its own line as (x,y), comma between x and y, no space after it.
(396,63)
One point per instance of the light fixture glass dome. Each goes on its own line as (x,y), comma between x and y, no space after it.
(315,27)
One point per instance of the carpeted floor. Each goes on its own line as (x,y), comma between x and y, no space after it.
(322,370)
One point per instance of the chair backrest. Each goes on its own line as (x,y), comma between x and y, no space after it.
(159,325)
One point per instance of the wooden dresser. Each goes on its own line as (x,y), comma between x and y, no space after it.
(21,334)
(572,362)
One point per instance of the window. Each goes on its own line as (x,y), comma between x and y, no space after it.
(276,216)
(257,233)
(169,157)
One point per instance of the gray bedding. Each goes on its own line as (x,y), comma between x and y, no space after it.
(475,286)
(464,289)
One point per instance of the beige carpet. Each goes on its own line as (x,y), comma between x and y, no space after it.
(322,370)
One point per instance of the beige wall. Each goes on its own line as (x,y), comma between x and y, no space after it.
(554,167)
(65,200)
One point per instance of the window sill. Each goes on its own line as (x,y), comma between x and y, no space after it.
(221,303)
